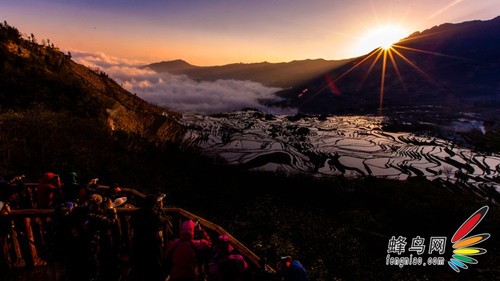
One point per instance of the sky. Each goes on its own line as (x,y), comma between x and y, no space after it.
(217,32)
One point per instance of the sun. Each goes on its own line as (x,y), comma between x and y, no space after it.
(382,36)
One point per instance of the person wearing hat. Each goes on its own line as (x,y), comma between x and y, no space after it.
(291,270)
(183,253)
(102,220)
(49,190)
(147,240)
(70,186)
(226,265)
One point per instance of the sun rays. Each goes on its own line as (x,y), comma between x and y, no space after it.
(394,53)
(386,58)
(389,55)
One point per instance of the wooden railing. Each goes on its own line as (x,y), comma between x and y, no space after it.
(27,235)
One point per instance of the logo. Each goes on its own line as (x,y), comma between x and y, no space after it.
(462,250)
(432,253)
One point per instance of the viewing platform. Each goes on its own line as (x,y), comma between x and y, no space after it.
(26,244)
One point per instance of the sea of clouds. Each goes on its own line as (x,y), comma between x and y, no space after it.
(181,93)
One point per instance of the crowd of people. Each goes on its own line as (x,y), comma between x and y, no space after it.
(86,239)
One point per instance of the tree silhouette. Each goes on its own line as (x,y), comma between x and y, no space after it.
(447,171)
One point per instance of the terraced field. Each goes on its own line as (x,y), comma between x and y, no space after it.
(338,145)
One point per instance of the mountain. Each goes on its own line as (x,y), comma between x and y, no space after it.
(54,111)
(174,66)
(453,66)
(282,75)
(34,75)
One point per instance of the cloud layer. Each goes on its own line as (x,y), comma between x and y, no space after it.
(181,93)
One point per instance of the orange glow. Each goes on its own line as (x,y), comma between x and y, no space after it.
(386,57)
(382,36)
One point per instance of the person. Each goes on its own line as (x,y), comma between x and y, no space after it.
(12,191)
(70,186)
(24,195)
(226,265)
(147,240)
(49,190)
(182,253)
(291,270)
(86,190)
(101,221)
(75,243)
(114,191)
(4,191)
(5,228)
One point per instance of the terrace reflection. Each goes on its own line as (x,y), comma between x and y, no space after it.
(335,145)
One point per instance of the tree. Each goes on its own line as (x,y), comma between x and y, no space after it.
(33,39)
(447,171)
(9,33)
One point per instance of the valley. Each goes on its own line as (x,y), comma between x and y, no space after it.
(350,146)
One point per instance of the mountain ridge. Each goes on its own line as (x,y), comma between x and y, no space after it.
(57,83)
(451,66)
(448,65)
(282,74)
(55,112)
(177,65)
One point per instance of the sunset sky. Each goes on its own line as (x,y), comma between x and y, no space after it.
(215,32)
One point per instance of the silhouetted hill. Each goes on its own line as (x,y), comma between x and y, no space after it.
(174,66)
(34,75)
(455,66)
(53,110)
(283,75)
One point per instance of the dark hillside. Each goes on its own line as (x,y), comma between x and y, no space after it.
(33,75)
(55,111)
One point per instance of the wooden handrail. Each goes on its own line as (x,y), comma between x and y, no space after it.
(251,256)
(133,192)
(240,247)
(31,212)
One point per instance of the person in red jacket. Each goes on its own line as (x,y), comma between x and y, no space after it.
(183,253)
(226,265)
(49,190)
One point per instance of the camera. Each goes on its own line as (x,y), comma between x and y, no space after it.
(197,225)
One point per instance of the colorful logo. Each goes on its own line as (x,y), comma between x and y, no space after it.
(462,250)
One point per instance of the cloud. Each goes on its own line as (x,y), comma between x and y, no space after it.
(181,93)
